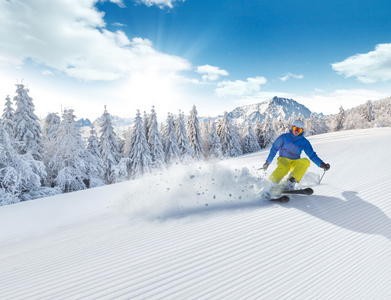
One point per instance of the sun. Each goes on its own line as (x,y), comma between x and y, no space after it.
(152,88)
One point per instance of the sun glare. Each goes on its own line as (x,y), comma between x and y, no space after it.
(145,89)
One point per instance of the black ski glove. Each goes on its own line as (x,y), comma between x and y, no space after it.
(265,166)
(324,166)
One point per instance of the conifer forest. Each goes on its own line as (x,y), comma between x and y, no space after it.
(40,158)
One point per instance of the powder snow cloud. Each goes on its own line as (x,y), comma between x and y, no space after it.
(70,36)
(368,67)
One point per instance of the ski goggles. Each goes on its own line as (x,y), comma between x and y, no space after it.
(297,129)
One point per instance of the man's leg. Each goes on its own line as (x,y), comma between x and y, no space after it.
(299,167)
(283,167)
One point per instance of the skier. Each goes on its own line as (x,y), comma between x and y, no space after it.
(290,145)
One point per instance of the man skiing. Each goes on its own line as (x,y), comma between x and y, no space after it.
(290,145)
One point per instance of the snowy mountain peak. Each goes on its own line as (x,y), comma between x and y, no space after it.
(274,108)
(83,123)
(116,121)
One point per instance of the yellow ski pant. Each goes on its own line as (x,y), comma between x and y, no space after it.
(298,167)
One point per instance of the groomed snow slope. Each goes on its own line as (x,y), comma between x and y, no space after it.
(201,232)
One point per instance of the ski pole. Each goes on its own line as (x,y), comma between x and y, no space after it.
(322,176)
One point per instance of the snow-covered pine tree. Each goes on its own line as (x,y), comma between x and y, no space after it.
(194,134)
(20,175)
(72,163)
(291,119)
(27,131)
(238,142)
(258,133)
(10,181)
(120,172)
(121,144)
(367,112)
(93,149)
(8,117)
(146,124)
(339,120)
(353,120)
(229,137)
(268,133)
(311,125)
(155,142)
(50,126)
(383,116)
(127,134)
(250,141)
(162,130)
(387,113)
(186,152)
(322,125)
(171,148)
(241,130)
(50,141)
(215,149)
(204,128)
(140,156)
(280,126)
(108,146)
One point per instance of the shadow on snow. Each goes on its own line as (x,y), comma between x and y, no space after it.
(351,213)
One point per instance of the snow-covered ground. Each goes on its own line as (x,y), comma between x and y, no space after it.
(201,232)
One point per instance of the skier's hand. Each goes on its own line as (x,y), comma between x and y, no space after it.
(265,166)
(324,166)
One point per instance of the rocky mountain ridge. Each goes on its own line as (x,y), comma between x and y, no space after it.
(274,108)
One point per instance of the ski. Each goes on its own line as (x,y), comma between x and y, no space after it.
(282,199)
(306,191)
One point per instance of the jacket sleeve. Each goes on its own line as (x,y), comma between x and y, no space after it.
(275,147)
(312,154)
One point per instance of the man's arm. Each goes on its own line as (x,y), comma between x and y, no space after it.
(275,147)
(312,154)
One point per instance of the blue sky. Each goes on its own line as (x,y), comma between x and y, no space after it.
(216,55)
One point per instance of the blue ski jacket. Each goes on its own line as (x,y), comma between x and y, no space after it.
(291,146)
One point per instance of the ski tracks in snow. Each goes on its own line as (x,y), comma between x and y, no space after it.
(334,244)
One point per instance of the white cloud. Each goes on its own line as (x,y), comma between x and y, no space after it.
(239,87)
(290,75)
(47,72)
(369,67)
(211,73)
(329,103)
(160,3)
(70,36)
(119,24)
(120,3)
